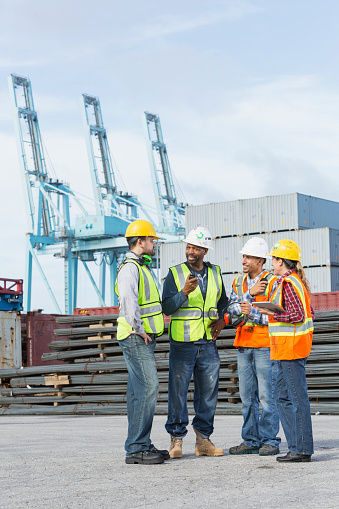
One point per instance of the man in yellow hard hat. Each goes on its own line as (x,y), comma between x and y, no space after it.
(140,322)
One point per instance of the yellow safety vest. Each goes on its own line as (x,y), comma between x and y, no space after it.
(149,303)
(190,322)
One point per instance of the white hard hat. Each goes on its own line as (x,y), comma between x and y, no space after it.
(255,247)
(200,237)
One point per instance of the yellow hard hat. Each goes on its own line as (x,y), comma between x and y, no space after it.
(141,228)
(287,249)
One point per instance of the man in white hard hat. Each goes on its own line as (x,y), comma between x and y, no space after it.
(256,371)
(195,298)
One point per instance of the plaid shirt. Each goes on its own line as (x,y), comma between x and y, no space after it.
(294,311)
(255,316)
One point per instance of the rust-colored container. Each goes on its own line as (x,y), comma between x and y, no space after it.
(37,332)
(109,310)
(325,301)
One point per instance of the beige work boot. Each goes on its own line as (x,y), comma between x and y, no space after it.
(176,447)
(204,447)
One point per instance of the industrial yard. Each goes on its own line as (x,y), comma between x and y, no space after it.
(247,146)
(72,462)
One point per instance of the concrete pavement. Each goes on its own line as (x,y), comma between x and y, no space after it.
(78,462)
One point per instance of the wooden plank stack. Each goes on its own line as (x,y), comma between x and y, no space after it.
(95,379)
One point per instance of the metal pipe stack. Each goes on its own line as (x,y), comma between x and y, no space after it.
(94,380)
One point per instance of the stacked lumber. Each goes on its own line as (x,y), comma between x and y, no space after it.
(94,380)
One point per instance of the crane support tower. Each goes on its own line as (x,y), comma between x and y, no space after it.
(46,199)
(48,211)
(171,214)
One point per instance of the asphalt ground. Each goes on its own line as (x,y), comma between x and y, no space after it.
(78,462)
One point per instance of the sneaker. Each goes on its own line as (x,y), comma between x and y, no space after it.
(243,449)
(204,446)
(176,447)
(145,458)
(268,450)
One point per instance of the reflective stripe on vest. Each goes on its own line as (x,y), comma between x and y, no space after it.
(149,303)
(291,340)
(253,335)
(190,322)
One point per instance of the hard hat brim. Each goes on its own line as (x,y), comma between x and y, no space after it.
(198,245)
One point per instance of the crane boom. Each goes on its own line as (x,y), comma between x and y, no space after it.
(171,214)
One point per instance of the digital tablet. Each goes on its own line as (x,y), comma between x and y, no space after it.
(269,305)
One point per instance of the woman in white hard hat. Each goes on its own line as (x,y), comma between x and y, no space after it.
(290,340)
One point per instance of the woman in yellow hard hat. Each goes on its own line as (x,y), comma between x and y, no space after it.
(290,332)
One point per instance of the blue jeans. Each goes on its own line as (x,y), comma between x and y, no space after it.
(202,360)
(142,392)
(257,374)
(294,406)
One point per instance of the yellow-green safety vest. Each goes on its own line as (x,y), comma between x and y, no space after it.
(190,322)
(149,303)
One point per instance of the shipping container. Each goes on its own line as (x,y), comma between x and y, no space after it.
(10,340)
(325,301)
(226,255)
(323,279)
(319,247)
(38,332)
(262,215)
(107,310)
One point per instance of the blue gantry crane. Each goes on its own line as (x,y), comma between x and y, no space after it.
(171,213)
(94,237)
(46,199)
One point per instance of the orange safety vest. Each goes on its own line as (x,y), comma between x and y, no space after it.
(291,340)
(253,335)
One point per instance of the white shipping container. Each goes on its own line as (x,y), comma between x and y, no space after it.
(323,279)
(319,247)
(267,214)
(10,340)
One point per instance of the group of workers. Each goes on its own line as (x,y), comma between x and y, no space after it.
(274,326)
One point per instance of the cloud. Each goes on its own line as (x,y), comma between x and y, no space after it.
(170,24)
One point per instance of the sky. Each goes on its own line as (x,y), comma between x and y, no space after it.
(247,92)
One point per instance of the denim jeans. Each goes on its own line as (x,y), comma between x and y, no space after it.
(202,360)
(294,406)
(257,374)
(142,392)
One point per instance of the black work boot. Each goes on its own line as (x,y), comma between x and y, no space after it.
(164,453)
(145,458)
(294,457)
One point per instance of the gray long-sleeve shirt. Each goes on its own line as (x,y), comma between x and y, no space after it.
(128,287)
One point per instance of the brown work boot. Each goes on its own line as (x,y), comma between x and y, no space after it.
(204,447)
(176,447)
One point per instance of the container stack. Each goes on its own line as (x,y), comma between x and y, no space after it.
(93,376)
(311,222)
